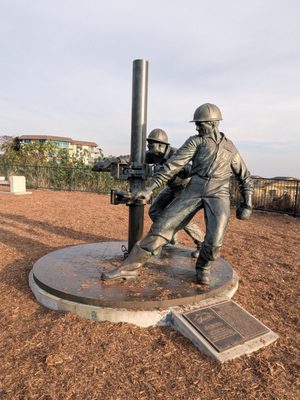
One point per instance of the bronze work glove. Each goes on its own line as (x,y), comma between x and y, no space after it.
(142,197)
(243,211)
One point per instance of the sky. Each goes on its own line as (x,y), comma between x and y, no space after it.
(66,69)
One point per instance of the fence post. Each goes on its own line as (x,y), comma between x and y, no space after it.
(70,179)
(37,171)
(97,184)
(296,199)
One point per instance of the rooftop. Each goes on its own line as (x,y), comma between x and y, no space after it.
(57,138)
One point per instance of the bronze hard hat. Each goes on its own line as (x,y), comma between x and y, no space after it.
(158,135)
(207,112)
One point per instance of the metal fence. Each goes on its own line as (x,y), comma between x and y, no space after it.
(272,195)
(269,194)
(63,178)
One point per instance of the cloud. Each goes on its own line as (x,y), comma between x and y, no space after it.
(66,68)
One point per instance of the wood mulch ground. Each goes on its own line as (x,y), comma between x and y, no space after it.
(51,355)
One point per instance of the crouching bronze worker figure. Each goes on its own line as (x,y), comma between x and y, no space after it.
(214,160)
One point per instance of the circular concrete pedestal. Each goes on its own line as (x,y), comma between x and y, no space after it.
(69,280)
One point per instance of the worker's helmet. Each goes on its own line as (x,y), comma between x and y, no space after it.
(207,112)
(158,135)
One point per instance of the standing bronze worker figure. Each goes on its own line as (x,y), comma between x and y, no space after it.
(159,152)
(214,160)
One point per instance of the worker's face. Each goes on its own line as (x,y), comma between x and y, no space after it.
(156,148)
(204,128)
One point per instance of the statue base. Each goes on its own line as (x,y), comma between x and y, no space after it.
(69,280)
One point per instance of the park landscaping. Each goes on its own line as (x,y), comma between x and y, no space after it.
(51,355)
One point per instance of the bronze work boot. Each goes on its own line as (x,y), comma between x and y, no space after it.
(128,269)
(203,271)
(203,276)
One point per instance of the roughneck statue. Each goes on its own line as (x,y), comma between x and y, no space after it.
(214,160)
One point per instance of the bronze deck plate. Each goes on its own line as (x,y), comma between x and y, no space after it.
(225,325)
(73,273)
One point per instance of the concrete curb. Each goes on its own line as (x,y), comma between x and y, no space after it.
(115,315)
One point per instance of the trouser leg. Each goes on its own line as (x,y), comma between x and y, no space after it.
(161,201)
(197,235)
(164,198)
(153,243)
(217,212)
(173,218)
(194,232)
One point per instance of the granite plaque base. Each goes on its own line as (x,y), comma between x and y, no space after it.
(222,329)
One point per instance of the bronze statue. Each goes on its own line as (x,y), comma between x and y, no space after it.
(214,160)
(159,152)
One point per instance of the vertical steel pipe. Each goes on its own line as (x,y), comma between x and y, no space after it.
(138,145)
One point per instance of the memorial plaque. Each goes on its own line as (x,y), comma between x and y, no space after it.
(225,325)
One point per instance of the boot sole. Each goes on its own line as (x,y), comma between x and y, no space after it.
(203,283)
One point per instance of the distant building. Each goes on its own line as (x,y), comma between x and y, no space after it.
(88,150)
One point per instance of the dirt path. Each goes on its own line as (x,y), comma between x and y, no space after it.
(50,355)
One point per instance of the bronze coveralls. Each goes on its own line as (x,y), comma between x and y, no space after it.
(213,163)
(174,188)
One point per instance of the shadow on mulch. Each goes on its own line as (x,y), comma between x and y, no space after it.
(53,356)
(16,273)
(57,230)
